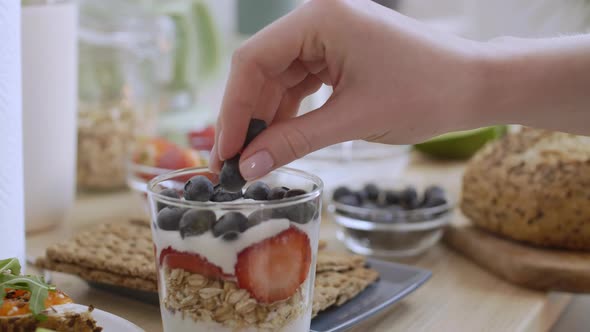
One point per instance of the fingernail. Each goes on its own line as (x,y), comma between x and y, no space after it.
(257,165)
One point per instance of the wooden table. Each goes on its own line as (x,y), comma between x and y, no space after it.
(459,297)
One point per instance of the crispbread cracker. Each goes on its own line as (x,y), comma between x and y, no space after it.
(332,261)
(367,274)
(124,248)
(336,288)
(122,254)
(363,277)
(99,276)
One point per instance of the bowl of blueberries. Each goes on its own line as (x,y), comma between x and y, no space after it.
(397,221)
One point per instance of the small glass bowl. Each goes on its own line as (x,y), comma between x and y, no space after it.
(389,233)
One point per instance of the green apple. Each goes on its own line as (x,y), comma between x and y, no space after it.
(460,144)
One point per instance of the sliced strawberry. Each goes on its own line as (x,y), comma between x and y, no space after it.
(273,269)
(192,263)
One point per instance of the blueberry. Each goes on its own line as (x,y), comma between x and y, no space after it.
(392,197)
(339,192)
(409,198)
(255,127)
(300,213)
(222,195)
(168,193)
(230,225)
(295,192)
(433,196)
(258,191)
(361,195)
(351,199)
(198,188)
(230,177)
(169,218)
(277,193)
(196,222)
(257,217)
(371,191)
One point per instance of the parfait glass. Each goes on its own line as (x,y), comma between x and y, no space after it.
(240,265)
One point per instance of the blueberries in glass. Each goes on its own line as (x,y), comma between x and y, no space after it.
(230,225)
(222,195)
(300,213)
(169,217)
(198,188)
(196,222)
(258,190)
(230,177)
(257,217)
(295,192)
(277,193)
(168,193)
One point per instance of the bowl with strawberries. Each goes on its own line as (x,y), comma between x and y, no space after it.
(156,156)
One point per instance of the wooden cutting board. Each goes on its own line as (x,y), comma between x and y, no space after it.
(521,264)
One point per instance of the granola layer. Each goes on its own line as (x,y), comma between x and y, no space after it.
(207,300)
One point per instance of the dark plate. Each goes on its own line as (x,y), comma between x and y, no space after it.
(395,283)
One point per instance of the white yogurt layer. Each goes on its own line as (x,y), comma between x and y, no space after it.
(224,253)
(177,323)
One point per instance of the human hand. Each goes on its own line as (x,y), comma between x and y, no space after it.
(395,81)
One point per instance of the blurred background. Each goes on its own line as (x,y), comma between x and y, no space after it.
(116,92)
(133,87)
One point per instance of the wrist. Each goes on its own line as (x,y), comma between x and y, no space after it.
(504,81)
(530,81)
(478,79)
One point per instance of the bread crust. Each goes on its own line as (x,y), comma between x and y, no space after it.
(532,186)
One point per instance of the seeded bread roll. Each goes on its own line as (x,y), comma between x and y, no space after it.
(532,186)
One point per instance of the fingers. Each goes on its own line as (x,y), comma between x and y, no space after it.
(274,91)
(288,140)
(286,108)
(291,100)
(263,58)
(214,163)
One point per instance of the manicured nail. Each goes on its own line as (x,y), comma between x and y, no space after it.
(257,165)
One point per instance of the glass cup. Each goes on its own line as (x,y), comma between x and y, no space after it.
(242,265)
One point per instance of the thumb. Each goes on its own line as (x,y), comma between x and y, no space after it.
(288,140)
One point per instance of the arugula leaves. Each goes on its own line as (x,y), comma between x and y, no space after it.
(10,265)
(10,278)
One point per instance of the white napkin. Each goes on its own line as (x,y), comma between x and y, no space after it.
(12,223)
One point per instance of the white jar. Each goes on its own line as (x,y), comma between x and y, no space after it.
(49,63)
(12,220)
